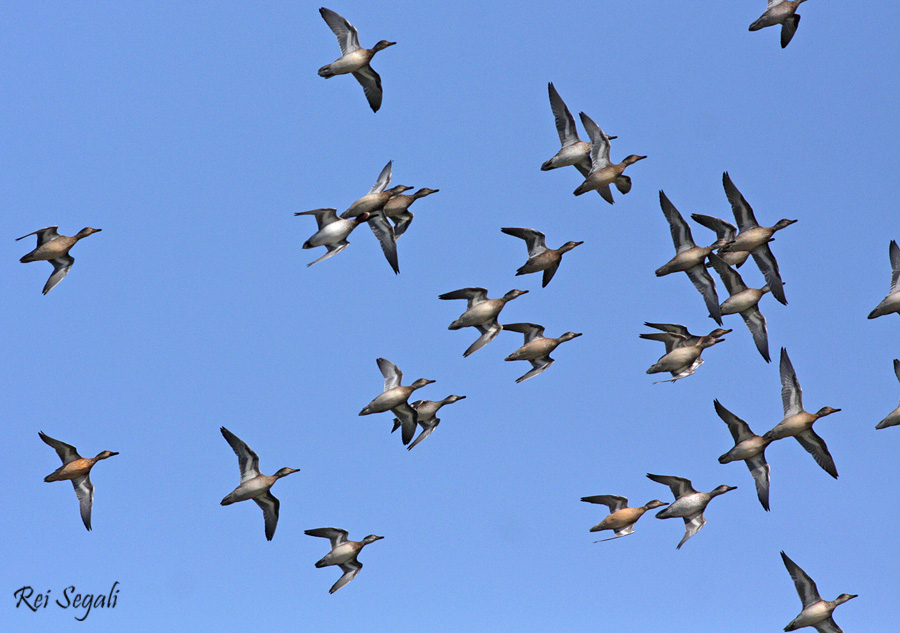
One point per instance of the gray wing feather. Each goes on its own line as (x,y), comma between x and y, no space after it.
(392,374)
(385,234)
(84,490)
(270,506)
(809,594)
(248,461)
(347,35)
(565,122)
(816,447)
(61,267)
(531,331)
(704,283)
(791,394)
(337,536)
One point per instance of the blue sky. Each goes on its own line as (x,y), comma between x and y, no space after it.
(191,135)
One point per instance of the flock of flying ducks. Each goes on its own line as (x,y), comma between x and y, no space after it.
(386,211)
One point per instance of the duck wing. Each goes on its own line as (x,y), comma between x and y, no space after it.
(384,178)
(61,267)
(473,295)
(613,502)
(705,285)
(248,461)
(788,28)
(489,332)
(66,452)
(426,431)
(768,266)
(816,447)
(347,35)
(337,536)
(403,220)
(392,374)
(565,122)
(332,250)
(681,232)
(270,506)
(670,340)
(385,234)
(43,235)
(692,525)
(324,217)
(537,366)
(759,468)
(606,194)
(730,277)
(371,85)
(549,272)
(535,241)
(828,625)
(84,490)
(791,393)
(894,252)
(408,418)
(350,569)
(599,143)
(739,429)
(672,328)
(743,212)
(809,594)
(678,485)
(756,323)
(531,331)
(725,231)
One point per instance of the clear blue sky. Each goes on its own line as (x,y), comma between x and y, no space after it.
(192,133)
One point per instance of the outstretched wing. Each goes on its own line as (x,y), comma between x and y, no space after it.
(392,374)
(347,36)
(248,461)
(66,452)
(681,232)
(692,525)
(61,267)
(270,506)
(534,240)
(809,594)
(678,485)
(565,122)
(84,490)
(350,569)
(791,394)
(599,143)
(43,235)
(337,536)
(371,85)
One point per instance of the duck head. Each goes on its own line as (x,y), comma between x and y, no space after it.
(86,231)
(383,44)
(565,248)
(512,294)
